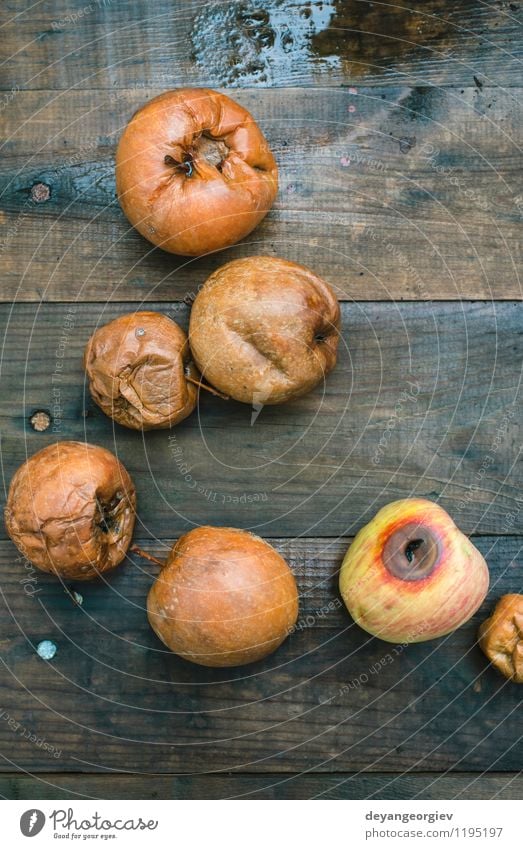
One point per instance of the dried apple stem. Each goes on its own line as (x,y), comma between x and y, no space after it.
(137,550)
(207,388)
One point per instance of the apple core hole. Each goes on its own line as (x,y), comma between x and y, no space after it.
(213,151)
(411,552)
(106,519)
(186,165)
(411,547)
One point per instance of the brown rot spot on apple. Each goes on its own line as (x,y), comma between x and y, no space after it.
(411,552)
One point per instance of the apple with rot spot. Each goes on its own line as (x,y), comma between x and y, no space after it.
(411,575)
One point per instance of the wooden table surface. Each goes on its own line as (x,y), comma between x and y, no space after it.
(397,134)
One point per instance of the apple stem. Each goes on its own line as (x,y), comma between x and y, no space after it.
(137,550)
(207,388)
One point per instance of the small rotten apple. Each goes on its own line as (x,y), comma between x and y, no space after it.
(411,575)
(71,510)
(501,637)
(140,371)
(224,598)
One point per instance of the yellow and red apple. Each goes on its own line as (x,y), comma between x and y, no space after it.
(411,575)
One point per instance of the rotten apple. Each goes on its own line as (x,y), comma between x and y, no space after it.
(501,637)
(140,371)
(265,330)
(411,575)
(194,172)
(224,598)
(71,510)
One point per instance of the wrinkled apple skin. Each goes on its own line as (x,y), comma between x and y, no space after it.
(224,598)
(401,611)
(208,205)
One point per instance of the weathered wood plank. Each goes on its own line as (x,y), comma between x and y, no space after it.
(393,189)
(332,698)
(427,785)
(424,400)
(315,562)
(68,43)
(413,195)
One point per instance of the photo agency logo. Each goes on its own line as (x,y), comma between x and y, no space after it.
(32,822)
(67,824)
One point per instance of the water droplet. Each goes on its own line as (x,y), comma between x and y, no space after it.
(40,420)
(260,35)
(46,650)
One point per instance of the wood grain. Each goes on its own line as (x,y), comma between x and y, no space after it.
(424,400)
(332,698)
(397,131)
(413,195)
(426,785)
(68,43)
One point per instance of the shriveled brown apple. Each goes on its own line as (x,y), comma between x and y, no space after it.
(71,510)
(224,598)
(140,371)
(501,637)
